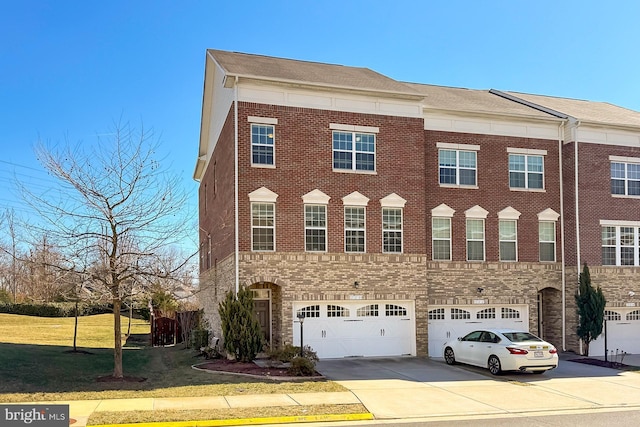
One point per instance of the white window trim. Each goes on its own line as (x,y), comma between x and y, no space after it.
(262,120)
(326,243)
(401,231)
(354,152)
(526,170)
(458,148)
(255,227)
(618,245)
(483,240)
(364,229)
(259,123)
(354,128)
(433,239)
(515,241)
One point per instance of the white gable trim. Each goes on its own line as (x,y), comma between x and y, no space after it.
(442,211)
(476,212)
(315,197)
(263,194)
(548,215)
(355,199)
(509,213)
(392,201)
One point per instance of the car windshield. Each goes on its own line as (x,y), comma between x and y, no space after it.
(520,336)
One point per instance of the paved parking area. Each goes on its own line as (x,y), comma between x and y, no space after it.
(407,387)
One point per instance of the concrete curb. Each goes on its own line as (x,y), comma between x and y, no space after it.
(252,421)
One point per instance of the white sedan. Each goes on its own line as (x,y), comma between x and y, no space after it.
(502,350)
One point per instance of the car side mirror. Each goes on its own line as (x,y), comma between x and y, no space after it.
(459,338)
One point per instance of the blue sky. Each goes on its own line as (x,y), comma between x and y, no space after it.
(69,69)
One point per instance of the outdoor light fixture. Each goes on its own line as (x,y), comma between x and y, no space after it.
(631,293)
(480,290)
(301,320)
(356,285)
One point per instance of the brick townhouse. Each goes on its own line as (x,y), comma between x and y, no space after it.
(394,216)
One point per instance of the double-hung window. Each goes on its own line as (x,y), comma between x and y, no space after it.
(475,239)
(392,230)
(620,244)
(526,171)
(354,151)
(547,240)
(625,176)
(315,228)
(263,226)
(508,236)
(441,238)
(458,164)
(354,229)
(262,141)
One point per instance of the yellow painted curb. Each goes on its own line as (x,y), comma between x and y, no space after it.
(251,421)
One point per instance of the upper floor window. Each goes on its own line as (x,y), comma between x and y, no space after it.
(354,229)
(262,144)
(315,228)
(263,226)
(354,151)
(392,230)
(547,240)
(526,171)
(458,166)
(625,178)
(475,239)
(620,245)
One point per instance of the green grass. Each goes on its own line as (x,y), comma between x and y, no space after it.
(36,365)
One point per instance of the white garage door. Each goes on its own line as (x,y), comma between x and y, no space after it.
(364,328)
(623,332)
(448,322)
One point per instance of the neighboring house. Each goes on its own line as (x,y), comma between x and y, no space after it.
(395,216)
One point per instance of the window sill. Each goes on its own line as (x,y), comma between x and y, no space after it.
(254,165)
(625,196)
(469,187)
(530,190)
(355,171)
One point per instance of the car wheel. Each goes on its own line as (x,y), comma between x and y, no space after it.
(449,356)
(494,365)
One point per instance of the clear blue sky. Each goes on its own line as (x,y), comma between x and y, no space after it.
(68,69)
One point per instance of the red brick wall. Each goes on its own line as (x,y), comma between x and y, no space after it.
(493,193)
(303,153)
(217,217)
(595,200)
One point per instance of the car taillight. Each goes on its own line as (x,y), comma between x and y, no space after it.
(514,350)
(553,351)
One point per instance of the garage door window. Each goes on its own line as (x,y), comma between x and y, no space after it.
(310,311)
(487,313)
(612,315)
(634,315)
(459,314)
(395,310)
(337,311)
(368,311)
(437,314)
(510,313)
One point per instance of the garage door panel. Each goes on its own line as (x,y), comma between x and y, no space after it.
(622,333)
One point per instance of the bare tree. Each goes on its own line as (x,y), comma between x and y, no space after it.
(115,212)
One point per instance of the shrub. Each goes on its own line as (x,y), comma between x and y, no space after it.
(284,354)
(240,329)
(301,366)
(5,297)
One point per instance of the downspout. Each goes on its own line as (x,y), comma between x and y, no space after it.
(236,213)
(562,236)
(577,212)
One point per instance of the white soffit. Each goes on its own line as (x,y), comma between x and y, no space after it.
(442,210)
(392,201)
(263,194)
(315,197)
(509,213)
(548,215)
(355,199)
(476,212)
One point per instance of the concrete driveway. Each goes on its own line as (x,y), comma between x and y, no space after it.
(410,387)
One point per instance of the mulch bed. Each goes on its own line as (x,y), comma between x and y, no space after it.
(250,368)
(604,364)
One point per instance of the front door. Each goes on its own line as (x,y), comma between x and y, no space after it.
(261,309)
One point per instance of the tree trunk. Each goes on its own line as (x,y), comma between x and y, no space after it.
(117,335)
(75,327)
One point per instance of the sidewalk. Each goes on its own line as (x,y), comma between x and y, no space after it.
(81,410)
